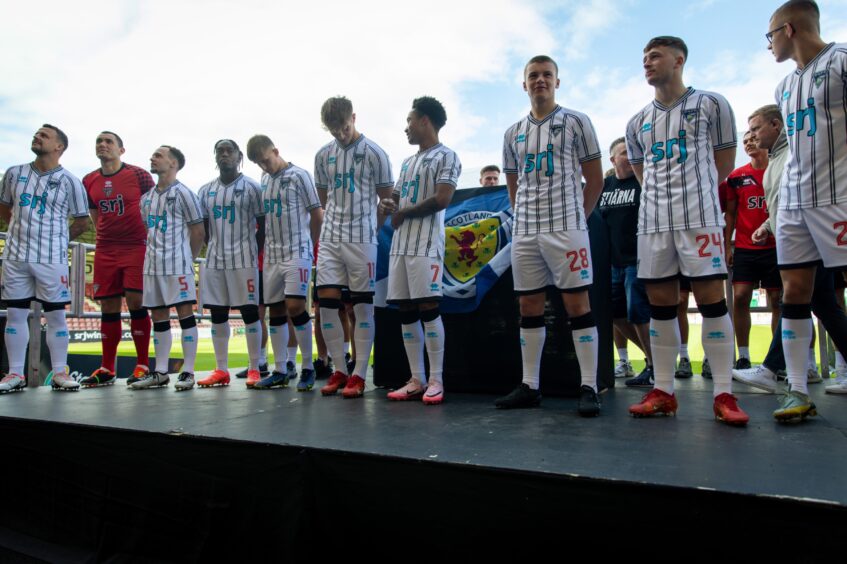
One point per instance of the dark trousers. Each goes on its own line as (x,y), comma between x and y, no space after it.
(826,309)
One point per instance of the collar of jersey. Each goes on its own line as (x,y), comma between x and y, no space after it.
(45,173)
(351,145)
(680,100)
(281,171)
(156,188)
(437,145)
(545,118)
(233,183)
(811,63)
(104,175)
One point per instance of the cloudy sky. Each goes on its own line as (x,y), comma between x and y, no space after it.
(187,73)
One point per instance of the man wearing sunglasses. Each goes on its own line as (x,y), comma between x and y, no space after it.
(812,226)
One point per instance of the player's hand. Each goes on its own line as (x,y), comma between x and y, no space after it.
(760,235)
(387,206)
(397,219)
(729,257)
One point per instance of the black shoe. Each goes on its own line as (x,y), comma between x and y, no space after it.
(644,380)
(522,396)
(706,371)
(742,363)
(263,371)
(589,403)
(322,371)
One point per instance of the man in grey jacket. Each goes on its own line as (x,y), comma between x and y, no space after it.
(767,125)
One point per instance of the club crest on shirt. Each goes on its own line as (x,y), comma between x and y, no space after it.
(238,192)
(211,193)
(647,127)
(107,188)
(426,162)
(689,115)
(520,138)
(819,77)
(52,184)
(557,129)
(358,158)
(331,160)
(170,200)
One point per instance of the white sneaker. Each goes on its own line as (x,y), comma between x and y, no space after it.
(185,381)
(623,369)
(411,391)
(759,377)
(839,387)
(813,376)
(61,381)
(12,383)
(152,380)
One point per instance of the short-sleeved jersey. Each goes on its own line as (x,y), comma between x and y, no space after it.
(546,155)
(41,203)
(419,175)
(618,206)
(677,147)
(813,102)
(231,211)
(745,185)
(351,176)
(289,196)
(168,214)
(116,198)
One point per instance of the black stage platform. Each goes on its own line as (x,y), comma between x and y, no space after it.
(231,474)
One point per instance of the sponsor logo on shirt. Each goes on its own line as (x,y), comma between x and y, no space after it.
(520,138)
(647,127)
(331,160)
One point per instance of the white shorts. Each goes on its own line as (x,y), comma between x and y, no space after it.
(229,287)
(167,291)
(351,265)
(414,279)
(286,279)
(561,259)
(47,283)
(805,237)
(696,253)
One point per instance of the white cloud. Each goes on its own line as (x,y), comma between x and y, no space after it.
(189,73)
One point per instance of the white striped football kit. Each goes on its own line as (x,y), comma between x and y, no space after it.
(351,176)
(35,258)
(230,276)
(417,246)
(812,222)
(680,223)
(168,263)
(289,196)
(550,235)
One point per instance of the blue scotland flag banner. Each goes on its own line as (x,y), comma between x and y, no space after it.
(478,235)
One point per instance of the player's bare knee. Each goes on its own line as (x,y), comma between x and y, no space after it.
(532,305)
(295,306)
(113,305)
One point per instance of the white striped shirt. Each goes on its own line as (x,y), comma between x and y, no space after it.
(168,215)
(677,144)
(546,155)
(813,102)
(41,203)
(289,196)
(420,173)
(232,211)
(351,175)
